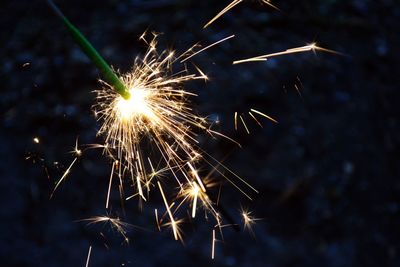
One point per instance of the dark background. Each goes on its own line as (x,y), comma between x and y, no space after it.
(328,173)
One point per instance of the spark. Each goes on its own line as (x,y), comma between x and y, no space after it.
(244,124)
(264,115)
(232,5)
(213,244)
(157,221)
(193,193)
(255,119)
(115,223)
(109,184)
(248,220)
(36,140)
(297,87)
(207,47)
(241,117)
(88,256)
(194,172)
(65,174)
(173,222)
(311,47)
(77,153)
(235,119)
(202,74)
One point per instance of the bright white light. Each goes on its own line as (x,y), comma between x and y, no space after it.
(136,105)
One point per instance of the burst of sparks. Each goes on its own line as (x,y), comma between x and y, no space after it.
(158,116)
(157,110)
(232,5)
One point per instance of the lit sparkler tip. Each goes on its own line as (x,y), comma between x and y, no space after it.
(36,140)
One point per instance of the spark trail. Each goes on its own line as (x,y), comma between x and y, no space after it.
(311,47)
(232,5)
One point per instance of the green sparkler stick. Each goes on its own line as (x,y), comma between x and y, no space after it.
(108,74)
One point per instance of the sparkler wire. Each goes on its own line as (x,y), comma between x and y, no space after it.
(93,55)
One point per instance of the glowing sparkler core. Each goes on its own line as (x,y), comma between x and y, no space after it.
(135,106)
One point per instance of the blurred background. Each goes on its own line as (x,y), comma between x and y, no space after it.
(327,174)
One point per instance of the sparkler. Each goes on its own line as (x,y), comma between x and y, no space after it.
(150,104)
(159,113)
(146,118)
